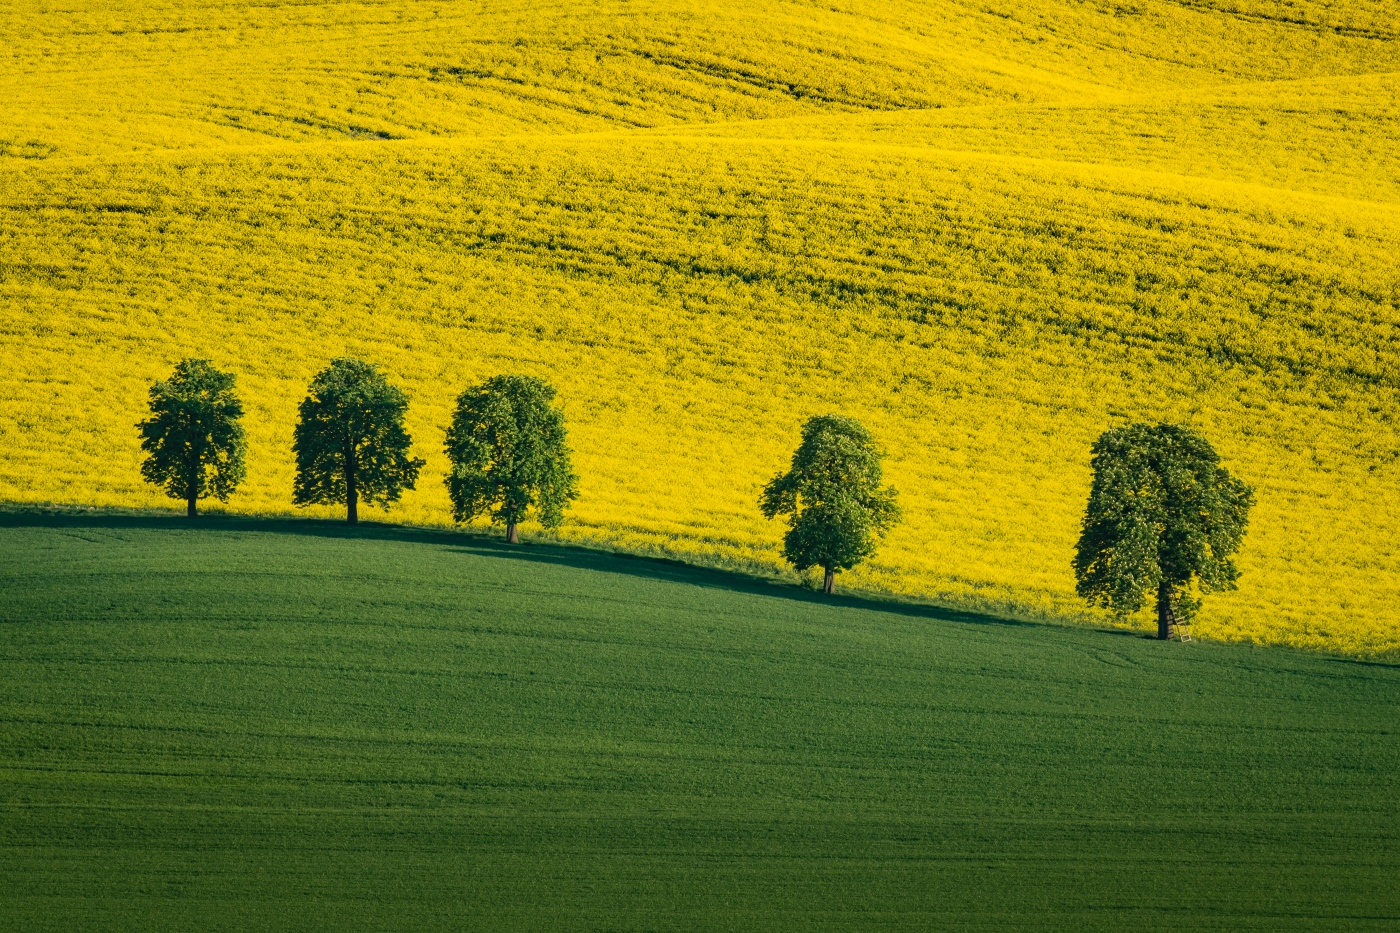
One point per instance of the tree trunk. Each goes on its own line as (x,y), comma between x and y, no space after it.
(512,536)
(352,494)
(1164,610)
(192,484)
(829,584)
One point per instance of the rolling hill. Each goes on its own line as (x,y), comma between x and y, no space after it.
(988,230)
(292,725)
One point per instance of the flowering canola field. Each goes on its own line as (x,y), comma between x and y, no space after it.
(988,233)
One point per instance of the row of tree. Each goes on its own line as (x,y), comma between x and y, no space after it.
(506,444)
(1164,518)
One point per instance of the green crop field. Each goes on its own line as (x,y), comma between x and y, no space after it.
(253,724)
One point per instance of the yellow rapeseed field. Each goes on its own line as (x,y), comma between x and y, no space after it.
(989,231)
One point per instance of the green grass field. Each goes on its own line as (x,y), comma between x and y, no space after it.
(265,725)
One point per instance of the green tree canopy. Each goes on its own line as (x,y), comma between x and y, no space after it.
(1163,516)
(193,439)
(509,454)
(350,443)
(837,510)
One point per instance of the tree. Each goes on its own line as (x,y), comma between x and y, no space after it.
(1163,516)
(350,443)
(193,438)
(509,454)
(832,494)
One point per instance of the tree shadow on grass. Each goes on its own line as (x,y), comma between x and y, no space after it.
(483,544)
(1368,662)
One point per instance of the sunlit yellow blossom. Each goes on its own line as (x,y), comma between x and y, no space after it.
(703,250)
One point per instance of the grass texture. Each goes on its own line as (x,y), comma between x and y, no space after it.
(990,231)
(273,725)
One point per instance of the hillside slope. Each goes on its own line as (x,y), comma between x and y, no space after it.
(290,725)
(104,78)
(989,236)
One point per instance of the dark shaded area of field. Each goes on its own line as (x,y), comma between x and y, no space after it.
(287,725)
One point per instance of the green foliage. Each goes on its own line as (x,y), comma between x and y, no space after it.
(1162,510)
(400,729)
(509,452)
(350,442)
(832,494)
(193,439)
